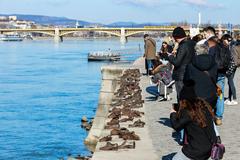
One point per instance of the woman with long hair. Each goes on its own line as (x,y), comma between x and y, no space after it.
(230,73)
(195,116)
(165,48)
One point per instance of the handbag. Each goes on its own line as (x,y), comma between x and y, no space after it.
(217,151)
(166,76)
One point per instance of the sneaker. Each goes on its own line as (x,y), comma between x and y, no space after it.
(227,102)
(218,121)
(160,98)
(171,83)
(233,102)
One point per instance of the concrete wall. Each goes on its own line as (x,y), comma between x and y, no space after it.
(110,76)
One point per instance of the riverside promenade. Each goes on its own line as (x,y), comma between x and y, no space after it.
(164,137)
(158,139)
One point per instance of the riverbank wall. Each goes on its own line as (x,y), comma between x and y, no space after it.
(110,78)
(144,148)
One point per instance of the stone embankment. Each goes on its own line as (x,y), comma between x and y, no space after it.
(129,140)
(157,139)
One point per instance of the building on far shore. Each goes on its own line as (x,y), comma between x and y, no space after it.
(13,22)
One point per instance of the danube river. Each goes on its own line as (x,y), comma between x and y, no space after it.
(45,89)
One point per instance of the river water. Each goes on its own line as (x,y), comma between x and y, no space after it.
(45,89)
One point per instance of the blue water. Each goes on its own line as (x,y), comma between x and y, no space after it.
(45,89)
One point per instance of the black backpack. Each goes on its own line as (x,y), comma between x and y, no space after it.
(223,57)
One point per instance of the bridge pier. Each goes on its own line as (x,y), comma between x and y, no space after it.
(57,37)
(123,38)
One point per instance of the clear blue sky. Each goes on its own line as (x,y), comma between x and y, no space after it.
(108,11)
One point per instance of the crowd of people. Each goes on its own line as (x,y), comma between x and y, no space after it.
(198,67)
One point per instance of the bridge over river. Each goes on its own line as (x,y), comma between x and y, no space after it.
(123,33)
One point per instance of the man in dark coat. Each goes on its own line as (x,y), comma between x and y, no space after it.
(183,57)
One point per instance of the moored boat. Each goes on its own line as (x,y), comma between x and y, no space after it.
(103,56)
(10,37)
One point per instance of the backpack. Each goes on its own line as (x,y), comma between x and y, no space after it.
(223,57)
(236,54)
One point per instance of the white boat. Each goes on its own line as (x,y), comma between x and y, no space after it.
(10,37)
(104,56)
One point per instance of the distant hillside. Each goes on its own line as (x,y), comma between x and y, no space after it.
(133,24)
(63,21)
(122,24)
(49,20)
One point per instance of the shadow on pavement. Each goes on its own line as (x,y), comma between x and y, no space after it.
(165,122)
(152,98)
(168,157)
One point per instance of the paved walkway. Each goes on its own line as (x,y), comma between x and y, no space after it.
(163,136)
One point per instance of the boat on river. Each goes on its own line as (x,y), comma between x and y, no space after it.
(104,56)
(10,37)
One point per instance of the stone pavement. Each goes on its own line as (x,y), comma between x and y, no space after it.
(164,137)
(159,139)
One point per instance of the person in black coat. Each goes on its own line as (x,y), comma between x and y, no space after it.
(183,57)
(203,71)
(195,116)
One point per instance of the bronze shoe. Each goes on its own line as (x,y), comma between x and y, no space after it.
(126,119)
(116,126)
(113,121)
(129,136)
(138,123)
(124,145)
(109,147)
(106,138)
(119,131)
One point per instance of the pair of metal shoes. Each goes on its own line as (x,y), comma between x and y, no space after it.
(114,146)
(137,124)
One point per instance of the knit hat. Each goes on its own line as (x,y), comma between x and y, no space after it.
(146,35)
(179,33)
(188,92)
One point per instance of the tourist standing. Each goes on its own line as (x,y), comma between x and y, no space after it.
(150,52)
(182,58)
(203,71)
(230,73)
(222,59)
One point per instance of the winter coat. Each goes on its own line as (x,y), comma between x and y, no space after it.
(183,57)
(204,85)
(200,140)
(150,49)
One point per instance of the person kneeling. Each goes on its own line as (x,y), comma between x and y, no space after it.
(195,116)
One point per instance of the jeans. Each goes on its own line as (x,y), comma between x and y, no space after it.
(232,89)
(220,101)
(153,90)
(150,64)
(180,156)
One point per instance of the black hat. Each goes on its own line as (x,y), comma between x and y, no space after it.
(179,33)
(146,35)
(188,92)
